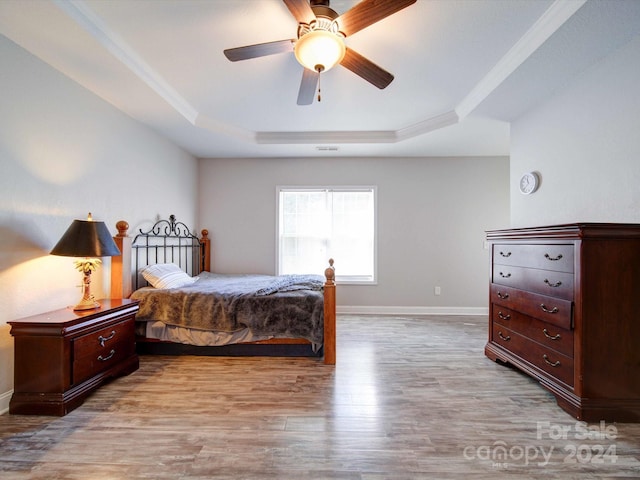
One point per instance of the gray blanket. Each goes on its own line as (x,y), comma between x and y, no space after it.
(286,306)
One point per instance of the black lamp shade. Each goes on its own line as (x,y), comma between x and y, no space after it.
(86,238)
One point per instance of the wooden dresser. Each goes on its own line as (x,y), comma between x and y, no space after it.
(63,355)
(564,307)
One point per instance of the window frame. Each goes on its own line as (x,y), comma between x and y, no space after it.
(340,279)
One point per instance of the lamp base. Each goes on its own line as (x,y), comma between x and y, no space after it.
(86,304)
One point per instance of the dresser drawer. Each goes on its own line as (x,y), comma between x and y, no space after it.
(551,310)
(102,349)
(546,282)
(547,334)
(558,258)
(543,358)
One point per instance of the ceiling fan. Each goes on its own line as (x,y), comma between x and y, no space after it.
(320,42)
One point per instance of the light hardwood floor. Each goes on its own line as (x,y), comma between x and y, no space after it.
(410,398)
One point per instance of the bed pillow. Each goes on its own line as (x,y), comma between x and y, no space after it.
(166,275)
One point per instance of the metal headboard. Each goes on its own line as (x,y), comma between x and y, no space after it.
(168,241)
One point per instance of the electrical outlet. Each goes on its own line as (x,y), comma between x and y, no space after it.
(436,290)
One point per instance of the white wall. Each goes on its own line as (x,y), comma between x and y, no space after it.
(585,142)
(432,215)
(64,152)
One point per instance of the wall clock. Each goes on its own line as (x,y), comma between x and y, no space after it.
(529,183)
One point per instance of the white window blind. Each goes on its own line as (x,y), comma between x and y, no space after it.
(315,224)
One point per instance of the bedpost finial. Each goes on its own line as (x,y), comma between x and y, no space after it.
(205,233)
(122,227)
(330,273)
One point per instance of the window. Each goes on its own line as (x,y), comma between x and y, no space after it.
(315,224)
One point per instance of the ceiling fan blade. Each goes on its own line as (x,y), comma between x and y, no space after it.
(368,70)
(307,86)
(301,10)
(369,12)
(259,50)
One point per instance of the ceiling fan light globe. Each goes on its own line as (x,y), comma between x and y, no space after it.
(319,48)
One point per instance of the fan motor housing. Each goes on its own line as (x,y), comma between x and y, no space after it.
(321,9)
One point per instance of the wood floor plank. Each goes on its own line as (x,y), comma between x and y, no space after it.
(409,398)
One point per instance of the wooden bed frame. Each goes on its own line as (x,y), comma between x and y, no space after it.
(124,282)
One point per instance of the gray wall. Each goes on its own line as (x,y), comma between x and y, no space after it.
(64,153)
(432,215)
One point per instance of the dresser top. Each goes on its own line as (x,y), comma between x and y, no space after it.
(570,231)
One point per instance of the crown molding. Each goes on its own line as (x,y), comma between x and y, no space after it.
(550,21)
(344,137)
(97,28)
(217,126)
(325,137)
(428,125)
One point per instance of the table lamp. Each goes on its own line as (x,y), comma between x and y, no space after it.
(88,239)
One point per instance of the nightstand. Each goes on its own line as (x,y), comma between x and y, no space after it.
(64,355)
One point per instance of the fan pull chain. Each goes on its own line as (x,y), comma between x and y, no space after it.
(319,69)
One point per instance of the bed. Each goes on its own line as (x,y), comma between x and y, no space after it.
(192,310)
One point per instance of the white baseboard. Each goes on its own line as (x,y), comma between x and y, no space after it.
(409,311)
(4,401)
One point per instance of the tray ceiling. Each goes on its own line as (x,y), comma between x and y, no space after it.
(463,70)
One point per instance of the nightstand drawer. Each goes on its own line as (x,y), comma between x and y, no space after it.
(99,350)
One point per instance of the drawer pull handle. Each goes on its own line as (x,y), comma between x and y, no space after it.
(503,275)
(553,259)
(548,335)
(503,296)
(508,254)
(503,316)
(549,362)
(104,359)
(103,340)
(557,284)
(506,339)
(545,309)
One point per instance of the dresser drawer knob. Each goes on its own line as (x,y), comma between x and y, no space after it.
(557,284)
(548,335)
(553,259)
(505,275)
(503,316)
(503,296)
(545,309)
(506,339)
(549,362)
(104,359)
(103,340)
(508,254)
